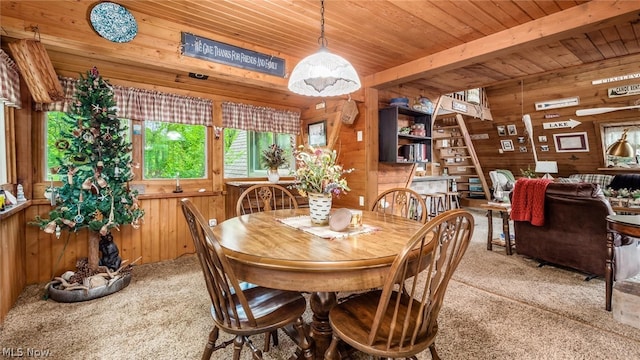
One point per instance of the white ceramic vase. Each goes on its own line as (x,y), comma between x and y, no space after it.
(319,208)
(273,175)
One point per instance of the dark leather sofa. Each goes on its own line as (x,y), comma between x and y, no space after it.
(574,233)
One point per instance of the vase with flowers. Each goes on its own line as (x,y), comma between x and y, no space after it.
(319,178)
(273,157)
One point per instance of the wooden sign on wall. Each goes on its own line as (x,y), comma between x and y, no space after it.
(211,50)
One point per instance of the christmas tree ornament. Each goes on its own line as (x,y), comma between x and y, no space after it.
(69,223)
(51,227)
(79,159)
(86,184)
(76,132)
(101,181)
(88,137)
(62,144)
(78,218)
(70,172)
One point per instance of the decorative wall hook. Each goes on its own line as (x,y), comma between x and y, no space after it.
(217,131)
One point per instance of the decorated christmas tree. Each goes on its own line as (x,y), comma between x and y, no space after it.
(95,169)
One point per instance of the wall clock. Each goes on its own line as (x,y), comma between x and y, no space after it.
(113,22)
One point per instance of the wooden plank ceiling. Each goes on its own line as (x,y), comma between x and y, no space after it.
(382,39)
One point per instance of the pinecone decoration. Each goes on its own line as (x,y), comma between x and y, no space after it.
(82,271)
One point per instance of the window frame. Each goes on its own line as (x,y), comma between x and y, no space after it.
(5,160)
(634,129)
(153,188)
(252,155)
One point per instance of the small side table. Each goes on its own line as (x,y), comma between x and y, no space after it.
(504,210)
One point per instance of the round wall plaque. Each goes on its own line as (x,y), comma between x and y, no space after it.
(113,22)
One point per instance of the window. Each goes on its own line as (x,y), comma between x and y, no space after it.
(58,124)
(174,150)
(243,150)
(3,146)
(612,133)
(170,149)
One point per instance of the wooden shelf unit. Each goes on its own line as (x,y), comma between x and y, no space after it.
(397,148)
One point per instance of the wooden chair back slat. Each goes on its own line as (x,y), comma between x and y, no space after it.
(223,286)
(265,197)
(403,202)
(442,241)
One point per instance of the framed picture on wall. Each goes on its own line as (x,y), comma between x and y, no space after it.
(512,130)
(571,142)
(502,131)
(507,145)
(318,133)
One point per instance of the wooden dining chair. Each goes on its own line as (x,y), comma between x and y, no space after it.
(403,202)
(235,309)
(394,323)
(265,197)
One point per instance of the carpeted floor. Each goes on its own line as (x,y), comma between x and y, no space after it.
(496,307)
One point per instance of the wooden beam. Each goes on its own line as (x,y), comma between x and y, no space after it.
(588,16)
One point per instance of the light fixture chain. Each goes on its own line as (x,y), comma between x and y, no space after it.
(322,40)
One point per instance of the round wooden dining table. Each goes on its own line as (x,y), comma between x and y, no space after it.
(265,251)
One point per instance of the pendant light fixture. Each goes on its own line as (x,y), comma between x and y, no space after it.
(323,73)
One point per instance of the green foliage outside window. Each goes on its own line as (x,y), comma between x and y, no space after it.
(56,126)
(173,149)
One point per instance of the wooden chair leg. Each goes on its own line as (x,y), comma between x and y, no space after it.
(273,335)
(332,352)
(304,343)
(434,353)
(211,344)
(238,342)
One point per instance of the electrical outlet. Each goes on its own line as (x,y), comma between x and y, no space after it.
(361,200)
(213,222)
(359,135)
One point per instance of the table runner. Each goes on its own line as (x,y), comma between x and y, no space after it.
(304,223)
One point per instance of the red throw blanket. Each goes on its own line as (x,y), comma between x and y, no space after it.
(527,202)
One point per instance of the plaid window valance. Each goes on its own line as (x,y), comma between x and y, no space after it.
(9,81)
(143,104)
(260,118)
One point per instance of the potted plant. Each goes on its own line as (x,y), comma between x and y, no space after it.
(273,157)
(319,177)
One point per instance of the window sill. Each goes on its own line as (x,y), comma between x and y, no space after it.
(158,196)
(620,169)
(13,209)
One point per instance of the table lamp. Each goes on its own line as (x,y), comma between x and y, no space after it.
(547,167)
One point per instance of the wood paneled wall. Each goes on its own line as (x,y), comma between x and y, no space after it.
(343,138)
(163,235)
(12,261)
(509,101)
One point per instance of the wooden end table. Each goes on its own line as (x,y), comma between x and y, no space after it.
(504,210)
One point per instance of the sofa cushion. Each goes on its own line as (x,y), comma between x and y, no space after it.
(625,181)
(601,179)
